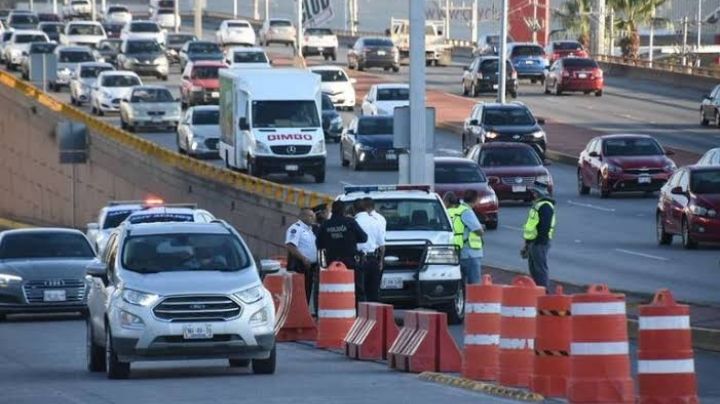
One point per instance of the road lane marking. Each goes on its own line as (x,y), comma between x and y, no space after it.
(511,227)
(589,206)
(639,254)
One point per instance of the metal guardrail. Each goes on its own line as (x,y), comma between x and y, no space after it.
(660,66)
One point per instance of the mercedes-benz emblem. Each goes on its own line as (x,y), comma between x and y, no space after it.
(291,150)
(53,283)
(518,180)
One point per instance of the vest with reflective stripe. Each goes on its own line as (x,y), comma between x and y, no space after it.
(530,230)
(474,241)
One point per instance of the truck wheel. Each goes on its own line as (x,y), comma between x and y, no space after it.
(265,366)
(456,310)
(95,353)
(396,69)
(252,168)
(320,176)
(113,367)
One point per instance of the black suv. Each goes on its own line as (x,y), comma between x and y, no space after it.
(482,76)
(511,122)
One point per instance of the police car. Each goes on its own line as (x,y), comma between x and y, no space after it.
(170,213)
(421,265)
(109,218)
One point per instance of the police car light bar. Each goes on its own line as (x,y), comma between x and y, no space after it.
(349,189)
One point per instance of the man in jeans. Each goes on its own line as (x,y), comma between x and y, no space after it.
(467,234)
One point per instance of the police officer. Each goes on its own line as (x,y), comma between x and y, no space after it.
(368,275)
(467,232)
(300,243)
(338,237)
(537,232)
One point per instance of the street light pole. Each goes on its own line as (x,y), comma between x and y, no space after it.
(267,10)
(502,67)
(473,22)
(699,23)
(93,10)
(178,19)
(299,27)
(197,22)
(652,36)
(418,129)
(256,9)
(447,19)
(534,30)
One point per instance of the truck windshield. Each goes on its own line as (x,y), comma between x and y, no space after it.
(413,214)
(285,114)
(85,29)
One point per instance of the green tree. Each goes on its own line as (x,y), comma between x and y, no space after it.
(629,15)
(575,17)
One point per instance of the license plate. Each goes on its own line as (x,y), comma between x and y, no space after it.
(381,53)
(215,94)
(519,188)
(292,167)
(391,156)
(391,282)
(529,62)
(495,86)
(197,331)
(582,76)
(644,179)
(54,295)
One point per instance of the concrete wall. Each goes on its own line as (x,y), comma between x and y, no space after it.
(673,79)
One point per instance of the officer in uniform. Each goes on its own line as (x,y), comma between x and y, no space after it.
(537,232)
(339,236)
(368,275)
(300,243)
(468,234)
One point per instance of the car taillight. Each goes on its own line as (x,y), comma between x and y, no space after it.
(565,73)
(598,73)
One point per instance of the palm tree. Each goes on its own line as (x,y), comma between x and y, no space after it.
(630,14)
(575,17)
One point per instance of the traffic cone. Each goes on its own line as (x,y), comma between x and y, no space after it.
(551,366)
(336,313)
(294,322)
(482,330)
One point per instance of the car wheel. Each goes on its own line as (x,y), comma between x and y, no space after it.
(582,188)
(239,363)
(604,192)
(95,354)
(717,119)
(345,162)
(687,241)
(334,56)
(513,94)
(93,110)
(100,112)
(252,168)
(114,368)
(123,124)
(533,81)
(72,100)
(663,238)
(491,225)
(396,69)
(131,128)
(456,310)
(703,120)
(360,67)
(598,93)
(265,366)
(558,91)
(320,176)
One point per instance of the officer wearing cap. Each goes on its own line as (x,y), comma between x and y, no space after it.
(302,252)
(538,231)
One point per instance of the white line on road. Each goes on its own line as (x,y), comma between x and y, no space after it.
(639,254)
(504,226)
(589,206)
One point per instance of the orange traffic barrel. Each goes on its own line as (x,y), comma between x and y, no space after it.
(599,361)
(517,331)
(482,330)
(666,366)
(336,305)
(551,366)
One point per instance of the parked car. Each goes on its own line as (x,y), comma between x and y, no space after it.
(42,270)
(511,122)
(511,169)
(622,163)
(196,51)
(174,42)
(278,30)
(165,17)
(201,83)
(150,107)
(49,17)
(373,52)
(320,41)
(110,88)
(52,29)
(710,108)
(368,141)
(529,60)
(235,32)
(142,29)
(83,33)
(710,158)
(84,78)
(457,175)
(19,20)
(335,83)
(109,49)
(560,49)
(482,76)
(199,131)
(117,13)
(143,56)
(382,99)
(68,58)
(331,120)
(241,57)
(574,74)
(113,29)
(35,47)
(19,44)
(689,206)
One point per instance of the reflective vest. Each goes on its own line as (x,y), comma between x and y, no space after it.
(530,229)
(473,241)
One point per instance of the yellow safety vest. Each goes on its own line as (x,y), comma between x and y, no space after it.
(474,241)
(530,230)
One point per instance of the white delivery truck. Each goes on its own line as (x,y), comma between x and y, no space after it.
(270,122)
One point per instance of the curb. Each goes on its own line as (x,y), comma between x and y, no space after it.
(481,387)
(11,224)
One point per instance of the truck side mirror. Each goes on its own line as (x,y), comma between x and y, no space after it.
(243,124)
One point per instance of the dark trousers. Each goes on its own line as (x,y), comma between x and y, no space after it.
(367,279)
(537,262)
(311,277)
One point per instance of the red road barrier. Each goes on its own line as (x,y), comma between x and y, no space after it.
(666,366)
(424,344)
(482,330)
(373,332)
(599,361)
(551,366)
(336,305)
(294,322)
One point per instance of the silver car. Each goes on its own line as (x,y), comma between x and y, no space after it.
(150,107)
(43,270)
(199,131)
(164,291)
(278,30)
(68,58)
(84,78)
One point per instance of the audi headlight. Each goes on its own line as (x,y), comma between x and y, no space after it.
(318,147)
(6,280)
(262,148)
(251,295)
(445,255)
(139,298)
(538,134)
(491,135)
(702,211)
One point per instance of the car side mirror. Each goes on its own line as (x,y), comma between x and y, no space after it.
(541,121)
(669,153)
(474,122)
(97,269)
(243,124)
(186,77)
(593,154)
(270,267)
(93,227)
(353,81)
(677,191)
(707,96)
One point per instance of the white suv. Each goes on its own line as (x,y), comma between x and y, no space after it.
(167,291)
(421,266)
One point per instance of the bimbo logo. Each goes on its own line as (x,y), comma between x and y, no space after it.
(289,137)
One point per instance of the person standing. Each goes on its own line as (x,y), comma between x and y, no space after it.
(537,233)
(338,237)
(468,234)
(300,243)
(368,276)
(380,240)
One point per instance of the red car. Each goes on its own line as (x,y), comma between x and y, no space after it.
(201,83)
(689,205)
(561,49)
(574,75)
(621,163)
(458,175)
(511,168)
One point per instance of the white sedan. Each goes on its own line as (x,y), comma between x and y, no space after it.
(117,14)
(143,30)
(84,78)
(199,131)
(247,58)
(337,85)
(382,99)
(83,33)
(235,32)
(110,88)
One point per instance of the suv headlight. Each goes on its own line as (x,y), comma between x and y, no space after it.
(336,122)
(6,280)
(612,168)
(447,255)
(139,298)
(262,148)
(491,135)
(318,147)
(538,134)
(250,295)
(696,209)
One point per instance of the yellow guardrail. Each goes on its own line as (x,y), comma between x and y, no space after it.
(660,66)
(246,183)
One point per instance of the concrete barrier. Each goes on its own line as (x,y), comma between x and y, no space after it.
(672,78)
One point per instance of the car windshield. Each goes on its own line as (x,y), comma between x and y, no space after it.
(110,45)
(142,47)
(280,23)
(179,39)
(85,29)
(285,114)
(507,116)
(42,47)
(491,65)
(318,31)
(160,217)
(393,94)
(458,173)
(206,117)
(203,47)
(705,182)
(113,218)
(184,252)
(375,126)
(50,244)
(331,75)
(75,57)
(206,72)
(120,81)
(117,9)
(567,46)
(166,3)
(88,72)
(80,3)
(378,42)
(143,95)
(580,62)
(24,19)
(327,103)
(413,214)
(27,38)
(249,57)
(631,147)
(48,17)
(52,28)
(166,11)
(7,35)
(508,157)
(238,25)
(527,50)
(144,27)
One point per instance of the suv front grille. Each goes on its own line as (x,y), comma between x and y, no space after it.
(197,308)
(290,150)
(639,171)
(74,290)
(408,257)
(513,180)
